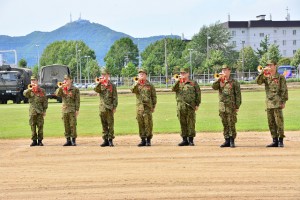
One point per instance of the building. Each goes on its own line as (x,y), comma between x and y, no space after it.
(285,34)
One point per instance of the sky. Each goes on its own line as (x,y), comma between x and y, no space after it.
(137,18)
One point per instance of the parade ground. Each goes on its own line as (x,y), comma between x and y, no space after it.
(163,171)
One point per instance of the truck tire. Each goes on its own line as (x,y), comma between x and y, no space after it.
(18,99)
(26,100)
(59,99)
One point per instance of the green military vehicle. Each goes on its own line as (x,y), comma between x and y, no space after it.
(50,76)
(13,81)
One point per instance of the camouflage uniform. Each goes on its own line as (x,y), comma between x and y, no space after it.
(38,106)
(230,99)
(276,95)
(188,96)
(70,105)
(108,103)
(145,104)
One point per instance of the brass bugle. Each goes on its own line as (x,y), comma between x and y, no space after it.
(218,75)
(260,68)
(60,84)
(176,76)
(98,80)
(30,86)
(135,79)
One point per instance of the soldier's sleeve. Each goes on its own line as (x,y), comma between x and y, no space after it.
(98,88)
(198,94)
(115,97)
(77,100)
(59,92)
(216,85)
(260,79)
(175,87)
(283,90)
(27,93)
(238,95)
(153,96)
(134,88)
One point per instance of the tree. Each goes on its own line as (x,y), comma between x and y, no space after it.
(22,63)
(130,70)
(154,55)
(264,44)
(216,60)
(64,53)
(272,54)
(215,37)
(120,53)
(296,59)
(250,59)
(284,61)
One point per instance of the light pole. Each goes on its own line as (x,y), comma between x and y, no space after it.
(38,57)
(79,65)
(191,68)
(243,60)
(207,47)
(88,68)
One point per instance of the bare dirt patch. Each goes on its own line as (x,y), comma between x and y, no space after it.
(163,171)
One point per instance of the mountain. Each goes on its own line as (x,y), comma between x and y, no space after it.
(96,36)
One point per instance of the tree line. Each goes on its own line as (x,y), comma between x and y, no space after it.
(208,50)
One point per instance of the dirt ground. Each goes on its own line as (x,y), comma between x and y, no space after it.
(163,171)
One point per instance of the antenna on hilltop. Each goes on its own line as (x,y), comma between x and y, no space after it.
(228,16)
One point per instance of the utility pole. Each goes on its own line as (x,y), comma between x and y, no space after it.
(191,68)
(77,62)
(243,59)
(166,65)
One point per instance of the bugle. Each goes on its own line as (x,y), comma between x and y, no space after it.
(60,84)
(265,70)
(218,75)
(30,86)
(176,77)
(135,79)
(98,80)
(260,68)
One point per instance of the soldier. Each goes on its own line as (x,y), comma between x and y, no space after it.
(108,104)
(145,106)
(37,110)
(230,100)
(70,108)
(188,97)
(276,97)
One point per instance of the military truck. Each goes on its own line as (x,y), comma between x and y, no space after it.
(13,81)
(49,76)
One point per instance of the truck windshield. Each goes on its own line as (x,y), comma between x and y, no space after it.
(9,76)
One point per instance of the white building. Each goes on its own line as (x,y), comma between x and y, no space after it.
(286,34)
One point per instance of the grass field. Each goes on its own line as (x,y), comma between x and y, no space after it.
(251,117)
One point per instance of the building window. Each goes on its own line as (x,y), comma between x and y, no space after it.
(275,31)
(284,52)
(283,32)
(283,42)
(261,35)
(233,33)
(294,51)
(234,43)
(294,42)
(294,32)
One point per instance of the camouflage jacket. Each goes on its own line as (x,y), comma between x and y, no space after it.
(188,93)
(145,95)
(108,96)
(276,89)
(38,101)
(70,99)
(229,95)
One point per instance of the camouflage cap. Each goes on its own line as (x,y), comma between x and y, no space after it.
(271,61)
(33,78)
(105,71)
(226,67)
(142,71)
(68,77)
(184,70)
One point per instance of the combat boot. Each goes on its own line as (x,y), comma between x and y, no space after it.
(226,143)
(68,142)
(143,143)
(232,144)
(148,142)
(274,143)
(280,142)
(34,143)
(74,142)
(110,143)
(191,141)
(184,142)
(40,143)
(105,143)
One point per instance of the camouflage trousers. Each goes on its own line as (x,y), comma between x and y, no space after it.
(276,122)
(187,118)
(229,120)
(145,122)
(37,121)
(70,123)
(107,121)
